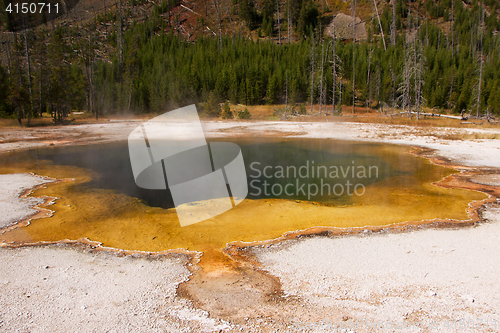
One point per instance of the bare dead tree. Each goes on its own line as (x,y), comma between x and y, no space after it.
(120,36)
(279,22)
(393,25)
(337,70)
(413,69)
(288,19)
(353,54)
(393,79)
(321,93)
(418,73)
(284,113)
(340,93)
(412,75)
(481,60)
(368,98)
(380,24)
(286,92)
(312,72)
(29,73)
(8,62)
(87,49)
(40,98)
(379,80)
(426,32)
(219,35)
(452,26)
(452,84)
(404,88)
(471,35)
(18,75)
(9,69)
(334,70)
(336,66)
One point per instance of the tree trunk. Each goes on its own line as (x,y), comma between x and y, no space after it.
(480,63)
(219,35)
(29,74)
(416,78)
(40,101)
(393,26)
(340,95)
(480,83)
(334,55)
(8,62)
(379,79)
(92,90)
(452,24)
(321,78)
(368,82)
(288,20)
(380,24)
(286,93)
(10,74)
(393,79)
(353,55)
(312,74)
(279,22)
(120,37)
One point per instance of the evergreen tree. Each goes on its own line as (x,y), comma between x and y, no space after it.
(226,111)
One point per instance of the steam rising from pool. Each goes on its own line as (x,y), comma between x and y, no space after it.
(294,184)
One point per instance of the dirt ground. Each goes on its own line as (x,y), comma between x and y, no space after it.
(427,279)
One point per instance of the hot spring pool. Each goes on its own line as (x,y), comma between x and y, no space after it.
(294,184)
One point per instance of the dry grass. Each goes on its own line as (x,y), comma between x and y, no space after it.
(267,112)
(470,136)
(8,122)
(72,119)
(423,122)
(362,115)
(443,136)
(258,112)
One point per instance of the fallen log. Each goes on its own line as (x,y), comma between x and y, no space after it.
(441,115)
(432,115)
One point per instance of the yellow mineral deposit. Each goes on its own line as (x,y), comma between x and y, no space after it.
(124,222)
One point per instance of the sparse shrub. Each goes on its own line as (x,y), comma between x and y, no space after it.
(282,113)
(244,114)
(226,111)
(302,109)
(211,106)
